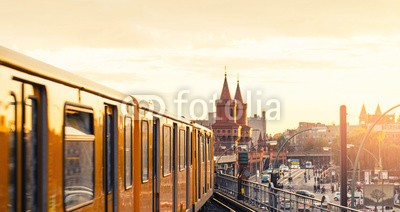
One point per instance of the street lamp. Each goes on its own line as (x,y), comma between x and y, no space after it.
(322,129)
(353,183)
(377,161)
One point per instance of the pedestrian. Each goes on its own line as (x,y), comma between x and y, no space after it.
(305,177)
(323,190)
(318,188)
(315,188)
(396,197)
(332,188)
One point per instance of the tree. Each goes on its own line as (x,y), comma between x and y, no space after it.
(378,195)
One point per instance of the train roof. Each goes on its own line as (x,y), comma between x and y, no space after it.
(40,69)
(201,127)
(165,114)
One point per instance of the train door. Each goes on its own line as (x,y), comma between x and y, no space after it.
(199,159)
(174,166)
(205,155)
(188,165)
(28,147)
(110,147)
(194,165)
(156,164)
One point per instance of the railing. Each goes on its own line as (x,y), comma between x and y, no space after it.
(263,198)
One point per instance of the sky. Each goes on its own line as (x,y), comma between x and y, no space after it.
(307,57)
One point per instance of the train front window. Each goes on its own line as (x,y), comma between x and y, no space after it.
(167,151)
(128,152)
(145,151)
(78,157)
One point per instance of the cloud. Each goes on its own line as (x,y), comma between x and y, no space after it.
(142,24)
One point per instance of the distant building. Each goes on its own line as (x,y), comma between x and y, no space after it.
(231,128)
(365,118)
(387,124)
(259,125)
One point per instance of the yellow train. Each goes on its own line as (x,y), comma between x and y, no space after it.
(69,144)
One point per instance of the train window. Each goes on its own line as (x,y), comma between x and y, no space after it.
(128,152)
(209,149)
(12,164)
(189,142)
(203,149)
(30,163)
(182,142)
(167,150)
(145,151)
(78,156)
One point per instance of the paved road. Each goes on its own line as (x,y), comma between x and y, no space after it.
(300,184)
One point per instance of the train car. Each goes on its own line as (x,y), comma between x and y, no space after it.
(202,148)
(69,144)
(66,141)
(170,166)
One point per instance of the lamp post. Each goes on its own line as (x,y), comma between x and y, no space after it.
(353,183)
(287,141)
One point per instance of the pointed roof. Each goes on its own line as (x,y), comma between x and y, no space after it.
(378,110)
(260,137)
(225,94)
(363,111)
(238,94)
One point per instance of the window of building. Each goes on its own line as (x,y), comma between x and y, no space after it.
(128,152)
(167,150)
(78,156)
(145,151)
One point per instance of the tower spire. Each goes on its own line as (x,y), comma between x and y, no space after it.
(378,111)
(225,94)
(238,93)
(225,71)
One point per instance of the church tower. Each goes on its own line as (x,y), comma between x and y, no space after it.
(363,118)
(226,107)
(241,115)
(226,131)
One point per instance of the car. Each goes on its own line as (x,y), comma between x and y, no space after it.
(286,204)
(265,178)
(295,166)
(284,168)
(305,193)
(336,196)
(309,165)
(319,207)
